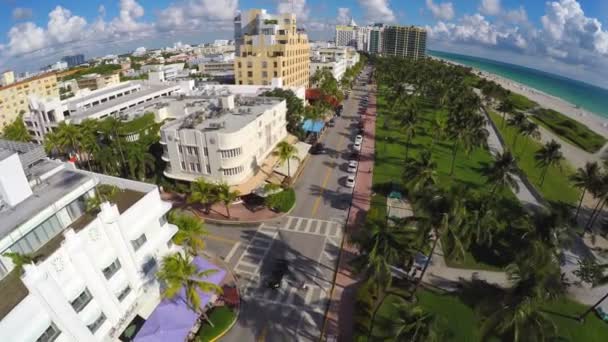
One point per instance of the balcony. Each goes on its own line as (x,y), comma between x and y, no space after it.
(165,157)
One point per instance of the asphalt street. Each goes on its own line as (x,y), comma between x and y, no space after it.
(309,238)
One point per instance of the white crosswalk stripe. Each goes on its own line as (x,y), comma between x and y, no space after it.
(333,228)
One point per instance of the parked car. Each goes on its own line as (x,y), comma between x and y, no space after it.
(331,122)
(357,146)
(317,148)
(350,181)
(359,139)
(352,166)
(279,270)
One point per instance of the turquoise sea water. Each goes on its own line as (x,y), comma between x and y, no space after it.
(586,96)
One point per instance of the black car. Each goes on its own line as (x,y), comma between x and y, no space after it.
(317,148)
(331,122)
(279,270)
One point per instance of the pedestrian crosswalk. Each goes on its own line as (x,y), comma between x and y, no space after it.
(332,229)
(312,297)
(250,261)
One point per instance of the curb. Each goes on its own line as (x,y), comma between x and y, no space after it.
(239,223)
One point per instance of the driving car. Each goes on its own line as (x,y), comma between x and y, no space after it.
(350,181)
(352,166)
(357,146)
(317,148)
(279,270)
(358,139)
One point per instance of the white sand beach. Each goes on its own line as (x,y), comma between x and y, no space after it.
(594,121)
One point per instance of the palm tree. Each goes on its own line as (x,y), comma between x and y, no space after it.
(178,272)
(530,129)
(380,245)
(506,106)
(226,196)
(19,260)
(438,129)
(585,178)
(518,121)
(548,155)
(412,323)
(89,143)
(69,138)
(139,160)
(420,173)
(16,130)
(473,134)
(445,215)
(286,152)
(204,193)
(111,129)
(502,172)
(408,125)
(190,232)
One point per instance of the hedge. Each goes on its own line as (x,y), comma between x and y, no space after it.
(282,201)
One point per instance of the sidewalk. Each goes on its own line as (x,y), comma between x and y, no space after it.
(339,318)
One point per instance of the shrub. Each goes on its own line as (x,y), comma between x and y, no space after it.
(282,201)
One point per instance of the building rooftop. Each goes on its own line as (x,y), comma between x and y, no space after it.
(44,194)
(29,153)
(102,92)
(85,113)
(211,116)
(27,80)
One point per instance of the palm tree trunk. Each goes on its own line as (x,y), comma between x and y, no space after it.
(288,168)
(427,263)
(227,209)
(515,141)
(371,324)
(580,203)
(597,214)
(454,152)
(597,205)
(542,176)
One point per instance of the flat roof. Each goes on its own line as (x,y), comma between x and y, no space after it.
(83,114)
(229,121)
(27,80)
(44,194)
(101,92)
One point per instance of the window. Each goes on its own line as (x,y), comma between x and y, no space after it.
(208,167)
(124,293)
(180,149)
(192,167)
(231,153)
(233,171)
(264,65)
(249,74)
(76,208)
(205,151)
(250,64)
(109,271)
(137,243)
(82,300)
(264,74)
(198,167)
(162,220)
(50,334)
(183,165)
(98,322)
(38,236)
(149,265)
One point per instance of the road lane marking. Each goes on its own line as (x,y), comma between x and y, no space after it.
(330,170)
(232,251)
(221,239)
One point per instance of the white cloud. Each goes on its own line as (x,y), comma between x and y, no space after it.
(442,11)
(377,11)
(344,16)
(26,37)
(490,7)
(517,16)
(126,22)
(63,27)
(197,15)
(298,7)
(101,10)
(21,13)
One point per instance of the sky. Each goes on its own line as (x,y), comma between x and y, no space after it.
(566,37)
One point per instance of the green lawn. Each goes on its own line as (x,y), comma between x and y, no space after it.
(521,102)
(569,129)
(221,317)
(457,321)
(557,186)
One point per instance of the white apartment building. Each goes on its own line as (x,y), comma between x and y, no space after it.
(92,271)
(46,114)
(338,52)
(362,38)
(346,35)
(224,139)
(337,67)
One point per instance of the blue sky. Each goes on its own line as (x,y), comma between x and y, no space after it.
(567,37)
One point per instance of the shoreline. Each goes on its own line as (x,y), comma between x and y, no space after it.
(594,121)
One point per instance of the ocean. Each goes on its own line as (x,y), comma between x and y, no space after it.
(584,95)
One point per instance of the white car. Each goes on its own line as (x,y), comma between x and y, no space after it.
(350,181)
(352,166)
(357,146)
(359,139)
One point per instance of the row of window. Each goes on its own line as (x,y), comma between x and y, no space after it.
(233,171)
(235,152)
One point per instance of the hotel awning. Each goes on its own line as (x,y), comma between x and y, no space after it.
(172,319)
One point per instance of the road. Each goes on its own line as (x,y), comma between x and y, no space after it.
(309,238)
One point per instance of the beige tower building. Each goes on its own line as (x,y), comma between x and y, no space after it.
(270,49)
(404,41)
(14,97)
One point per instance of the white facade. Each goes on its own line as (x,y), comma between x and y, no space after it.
(349,54)
(93,271)
(346,36)
(362,38)
(45,115)
(336,67)
(227,144)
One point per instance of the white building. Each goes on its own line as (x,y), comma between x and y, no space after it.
(362,37)
(337,67)
(339,52)
(224,139)
(346,35)
(45,115)
(93,271)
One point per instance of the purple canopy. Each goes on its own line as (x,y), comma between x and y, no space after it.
(172,319)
